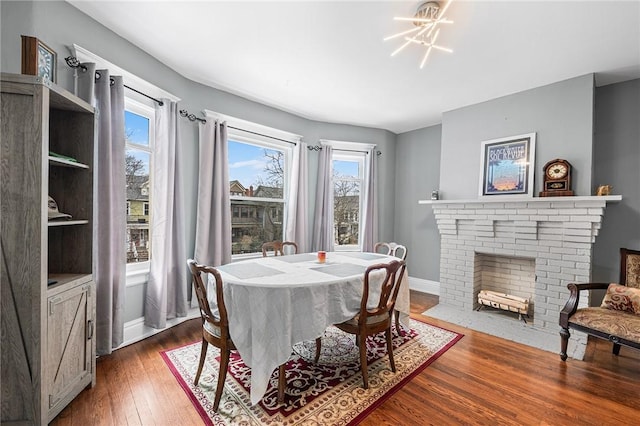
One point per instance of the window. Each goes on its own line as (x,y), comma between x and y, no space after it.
(139,137)
(348,181)
(258,172)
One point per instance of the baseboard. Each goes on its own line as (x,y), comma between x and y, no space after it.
(424,286)
(135,330)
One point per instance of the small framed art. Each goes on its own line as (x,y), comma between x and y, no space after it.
(38,59)
(507,166)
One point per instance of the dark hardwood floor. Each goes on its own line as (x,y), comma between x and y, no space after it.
(481,380)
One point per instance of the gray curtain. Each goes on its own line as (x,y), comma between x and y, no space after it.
(106,93)
(370,204)
(296,229)
(213,220)
(166,295)
(323,221)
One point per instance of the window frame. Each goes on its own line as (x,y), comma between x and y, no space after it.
(144,107)
(360,158)
(244,131)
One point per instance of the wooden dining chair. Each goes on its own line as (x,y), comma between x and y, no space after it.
(279,248)
(289,247)
(399,251)
(370,321)
(215,329)
(273,248)
(391,249)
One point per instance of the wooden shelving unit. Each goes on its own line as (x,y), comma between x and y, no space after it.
(48,350)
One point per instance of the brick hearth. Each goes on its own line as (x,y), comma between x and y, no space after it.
(556,233)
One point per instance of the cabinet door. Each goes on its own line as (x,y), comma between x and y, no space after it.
(70,326)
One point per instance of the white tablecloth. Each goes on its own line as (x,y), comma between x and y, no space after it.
(276,302)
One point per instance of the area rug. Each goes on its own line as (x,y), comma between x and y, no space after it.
(328,393)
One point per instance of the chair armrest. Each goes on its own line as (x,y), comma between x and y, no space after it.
(571,306)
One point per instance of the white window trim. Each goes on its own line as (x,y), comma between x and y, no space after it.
(138,272)
(130,79)
(253,127)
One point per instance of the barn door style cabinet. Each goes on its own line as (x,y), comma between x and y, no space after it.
(48,292)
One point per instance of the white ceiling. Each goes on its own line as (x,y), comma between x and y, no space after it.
(327,61)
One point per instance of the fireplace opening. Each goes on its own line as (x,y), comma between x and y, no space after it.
(506,283)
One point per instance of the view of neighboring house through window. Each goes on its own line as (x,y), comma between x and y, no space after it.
(138,158)
(348,180)
(258,175)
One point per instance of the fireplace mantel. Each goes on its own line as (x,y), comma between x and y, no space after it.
(556,233)
(512,199)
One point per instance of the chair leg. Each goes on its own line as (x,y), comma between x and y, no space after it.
(564,341)
(616,349)
(203,355)
(399,328)
(282,383)
(390,348)
(363,360)
(318,346)
(222,375)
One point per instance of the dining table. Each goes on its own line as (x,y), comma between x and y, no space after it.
(275,302)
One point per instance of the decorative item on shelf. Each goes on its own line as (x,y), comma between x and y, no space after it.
(54,213)
(556,181)
(507,166)
(435,195)
(38,59)
(604,190)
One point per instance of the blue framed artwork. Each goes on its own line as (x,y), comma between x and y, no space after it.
(507,166)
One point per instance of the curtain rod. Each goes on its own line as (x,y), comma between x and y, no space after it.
(73,62)
(192,117)
(319,148)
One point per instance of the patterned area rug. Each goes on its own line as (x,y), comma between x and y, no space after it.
(329,392)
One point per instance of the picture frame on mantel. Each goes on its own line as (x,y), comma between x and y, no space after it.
(507,166)
(38,59)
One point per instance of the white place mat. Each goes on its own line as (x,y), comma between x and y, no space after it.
(243,272)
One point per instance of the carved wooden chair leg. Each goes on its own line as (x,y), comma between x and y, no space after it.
(282,383)
(564,341)
(616,349)
(318,346)
(363,360)
(224,365)
(399,328)
(390,349)
(203,355)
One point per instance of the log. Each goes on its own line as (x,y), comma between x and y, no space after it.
(506,302)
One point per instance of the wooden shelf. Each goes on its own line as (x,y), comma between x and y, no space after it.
(64,279)
(67,222)
(61,162)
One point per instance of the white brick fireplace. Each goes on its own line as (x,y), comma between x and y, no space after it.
(526,247)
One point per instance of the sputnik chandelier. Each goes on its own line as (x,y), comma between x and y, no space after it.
(427,21)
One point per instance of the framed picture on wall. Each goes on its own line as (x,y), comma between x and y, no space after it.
(38,59)
(507,166)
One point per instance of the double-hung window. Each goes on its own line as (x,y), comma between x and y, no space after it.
(259,173)
(139,143)
(348,184)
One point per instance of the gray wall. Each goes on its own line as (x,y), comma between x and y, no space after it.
(417,174)
(617,162)
(59,25)
(561,114)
